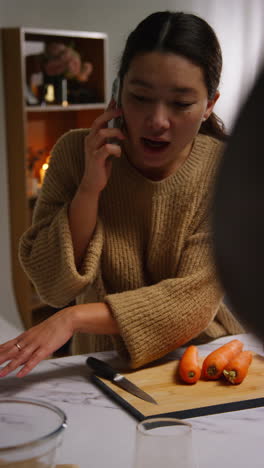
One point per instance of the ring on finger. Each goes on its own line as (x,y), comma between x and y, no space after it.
(18,347)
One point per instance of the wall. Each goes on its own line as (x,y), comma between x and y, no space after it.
(238,24)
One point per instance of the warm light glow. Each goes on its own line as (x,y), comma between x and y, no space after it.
(42,172)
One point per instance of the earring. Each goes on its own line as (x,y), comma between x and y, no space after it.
(204,119)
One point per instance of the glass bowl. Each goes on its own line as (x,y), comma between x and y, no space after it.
(30,433)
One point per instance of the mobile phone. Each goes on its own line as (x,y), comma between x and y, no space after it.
(118,121)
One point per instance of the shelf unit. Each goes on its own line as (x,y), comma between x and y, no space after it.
(39,126)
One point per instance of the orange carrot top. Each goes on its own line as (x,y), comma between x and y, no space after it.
(215,362)
(236,370)
(189,369)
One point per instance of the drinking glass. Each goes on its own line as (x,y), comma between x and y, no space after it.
(30,432)
(163,443)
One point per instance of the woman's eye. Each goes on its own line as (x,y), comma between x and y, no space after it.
(182,105)
(140,98)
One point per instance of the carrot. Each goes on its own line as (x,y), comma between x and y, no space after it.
(236,370)
(189,369)
(215,362)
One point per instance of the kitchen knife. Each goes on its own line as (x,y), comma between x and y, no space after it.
(104,370)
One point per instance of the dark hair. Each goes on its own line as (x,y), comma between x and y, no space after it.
(186,35)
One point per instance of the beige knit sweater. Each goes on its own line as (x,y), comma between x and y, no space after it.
(149,258)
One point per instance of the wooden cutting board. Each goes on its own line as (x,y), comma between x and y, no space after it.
(180,400)
(67,466)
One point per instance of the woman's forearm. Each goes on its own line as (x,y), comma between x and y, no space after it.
(42,340)
(84,206)
(82,221)
(94,318)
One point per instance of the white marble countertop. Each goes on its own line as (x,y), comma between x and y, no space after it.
(101,434)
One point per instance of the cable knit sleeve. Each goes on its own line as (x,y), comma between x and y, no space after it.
(46,250)
(156,319)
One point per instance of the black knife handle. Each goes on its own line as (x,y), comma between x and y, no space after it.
(101,368)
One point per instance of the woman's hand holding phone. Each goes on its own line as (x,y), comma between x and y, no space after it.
(101,143)
(100,146)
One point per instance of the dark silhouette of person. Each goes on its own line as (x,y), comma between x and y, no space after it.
(238,219)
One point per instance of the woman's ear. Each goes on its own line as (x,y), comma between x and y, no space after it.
(210,106)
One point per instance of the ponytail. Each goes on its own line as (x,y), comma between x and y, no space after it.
(214,127)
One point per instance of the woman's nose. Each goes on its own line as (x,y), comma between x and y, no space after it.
(158,118)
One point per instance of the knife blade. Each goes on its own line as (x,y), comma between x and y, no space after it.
(104,370)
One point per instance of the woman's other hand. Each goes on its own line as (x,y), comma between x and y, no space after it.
(40,341)
(37,343)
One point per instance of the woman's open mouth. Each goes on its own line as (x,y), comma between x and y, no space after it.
(155,145)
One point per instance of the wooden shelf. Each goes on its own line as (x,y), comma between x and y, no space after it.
(38,127)
(69,107)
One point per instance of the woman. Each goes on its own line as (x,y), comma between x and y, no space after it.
(121,224)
